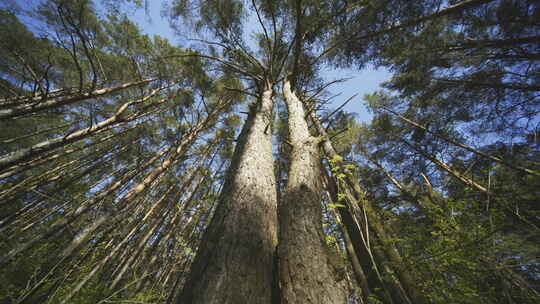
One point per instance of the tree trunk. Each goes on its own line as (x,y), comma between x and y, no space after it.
(40,105)
(45,158)
(235,260)
(464,146)
(354,259)
(308,272)
(447,168)
(184,144)
(16,157)
(359,202)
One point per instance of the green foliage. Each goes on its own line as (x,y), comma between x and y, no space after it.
(469,76)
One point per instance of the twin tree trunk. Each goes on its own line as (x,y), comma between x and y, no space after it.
(237,258)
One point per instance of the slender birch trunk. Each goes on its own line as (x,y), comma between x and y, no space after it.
(235,260)
(308,272)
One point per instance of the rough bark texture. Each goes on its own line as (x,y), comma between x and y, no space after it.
(307,271)
(235,261)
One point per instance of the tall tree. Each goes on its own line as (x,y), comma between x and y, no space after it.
(241,240)
(310,274)
(127,175)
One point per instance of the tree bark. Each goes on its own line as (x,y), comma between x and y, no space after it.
(235,260)
(308,271)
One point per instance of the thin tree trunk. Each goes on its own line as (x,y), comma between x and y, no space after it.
(166,233)
(448,169)
(21,167)
(235,260)
(82,209)
(308,272)
(134,255)
(40,105)
(14,158)
(359,202)
(138,189)
(468,148)
(361,244)
(57,173)
(359,273)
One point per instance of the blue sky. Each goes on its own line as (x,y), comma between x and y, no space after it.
(361,82)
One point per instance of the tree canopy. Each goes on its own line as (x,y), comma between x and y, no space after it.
(217,168)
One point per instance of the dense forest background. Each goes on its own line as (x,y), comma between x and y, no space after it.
(215,169)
